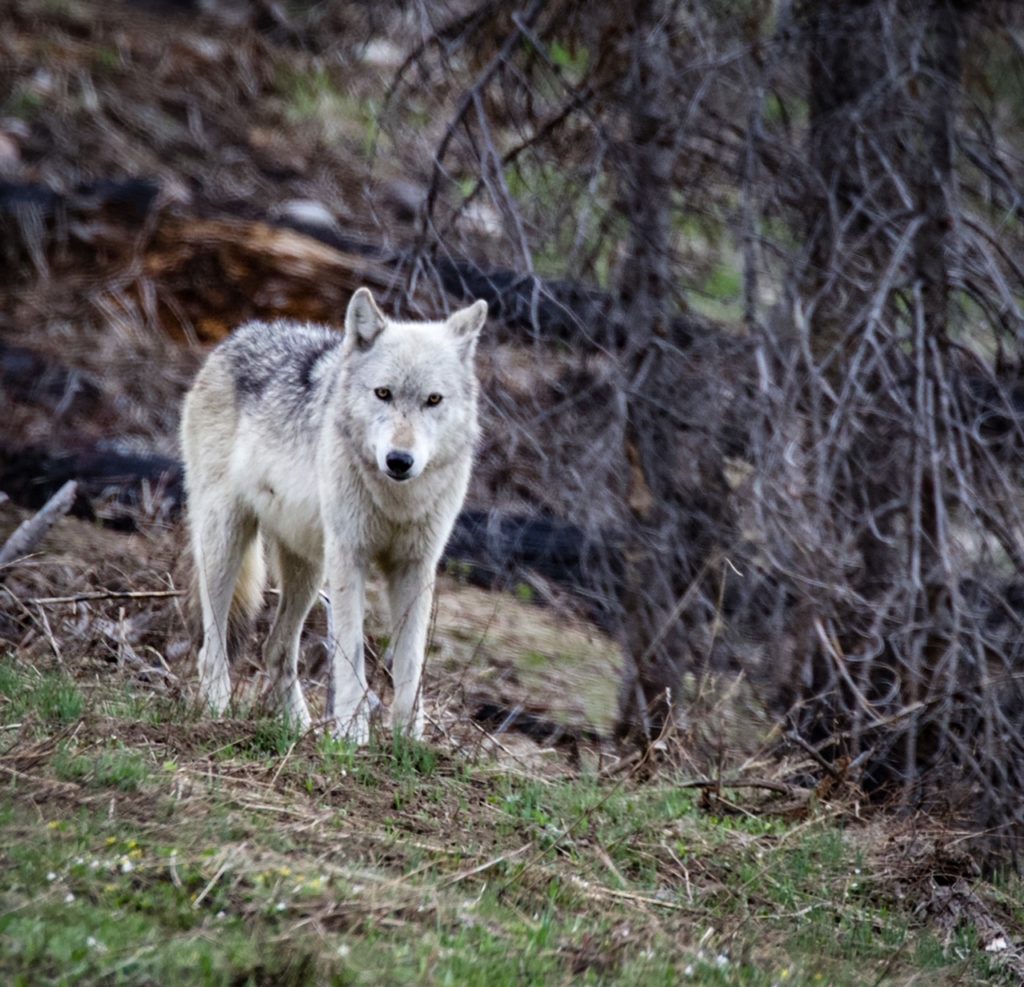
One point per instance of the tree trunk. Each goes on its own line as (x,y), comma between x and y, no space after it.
(673,498)
(881,157)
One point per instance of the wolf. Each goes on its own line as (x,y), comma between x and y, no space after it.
(333,452)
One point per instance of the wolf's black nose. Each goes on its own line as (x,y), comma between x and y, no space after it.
(398,463)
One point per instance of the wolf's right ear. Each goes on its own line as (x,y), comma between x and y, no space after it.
(466,323)
(364,322)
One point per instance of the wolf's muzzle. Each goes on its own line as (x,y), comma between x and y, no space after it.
(398,464)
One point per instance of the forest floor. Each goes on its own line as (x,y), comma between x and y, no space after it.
(141,843)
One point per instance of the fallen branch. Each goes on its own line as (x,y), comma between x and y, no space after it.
(951,906)
(156,594)
(771,786)
(33,530)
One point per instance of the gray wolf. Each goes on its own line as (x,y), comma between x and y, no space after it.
(333,452)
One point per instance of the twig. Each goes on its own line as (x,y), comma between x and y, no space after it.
(284,761)
(794,737)
(466,103)
(54,646)
(628,763)
(485,735)
(32,530)
(197,901)
(595,891)
(108,595)
(486,865)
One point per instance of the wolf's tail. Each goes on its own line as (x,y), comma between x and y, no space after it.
(252,578)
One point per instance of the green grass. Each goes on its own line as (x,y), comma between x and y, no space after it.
(313,94)
(52,697)
(142,849)
(114,768)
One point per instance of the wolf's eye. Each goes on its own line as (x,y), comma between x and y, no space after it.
(433,400)
(384,393)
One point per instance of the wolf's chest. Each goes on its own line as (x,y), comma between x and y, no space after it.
(284,500)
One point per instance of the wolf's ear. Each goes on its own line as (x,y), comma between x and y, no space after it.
(466,324)
(363,320)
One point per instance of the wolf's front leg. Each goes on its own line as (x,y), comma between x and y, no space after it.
(348,695)
(410,592)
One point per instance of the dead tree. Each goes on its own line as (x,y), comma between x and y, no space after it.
(613,123)
(892,509)
(866,400)
(661,495)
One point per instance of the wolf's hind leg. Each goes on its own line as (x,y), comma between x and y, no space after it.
(300,583)
(221,537)
(411,594)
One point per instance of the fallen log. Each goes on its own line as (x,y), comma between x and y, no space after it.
(222,271)
(217,265)
(501,717)
(113,488)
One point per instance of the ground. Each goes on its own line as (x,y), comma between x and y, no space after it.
(143,843)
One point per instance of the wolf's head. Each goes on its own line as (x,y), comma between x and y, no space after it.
(411,388)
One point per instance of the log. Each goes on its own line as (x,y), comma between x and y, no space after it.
(222,271)
(223,264)
(112,485)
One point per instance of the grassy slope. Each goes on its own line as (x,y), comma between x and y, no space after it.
(141,845)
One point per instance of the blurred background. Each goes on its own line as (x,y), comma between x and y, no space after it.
(751,476)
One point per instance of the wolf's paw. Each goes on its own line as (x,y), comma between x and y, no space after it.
(291,704)
(409,724)
(407,713)
(355,728)
(215,693)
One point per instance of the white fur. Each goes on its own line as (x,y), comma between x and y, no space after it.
(299,455)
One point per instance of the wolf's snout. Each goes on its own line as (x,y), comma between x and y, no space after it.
(398,464)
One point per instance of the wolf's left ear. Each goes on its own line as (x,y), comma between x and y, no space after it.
(466,324)
(364,322)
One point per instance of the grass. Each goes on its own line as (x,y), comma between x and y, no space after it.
(142,845)
(313,94)
(565,666)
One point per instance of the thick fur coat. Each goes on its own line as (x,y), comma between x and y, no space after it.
(337,452)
